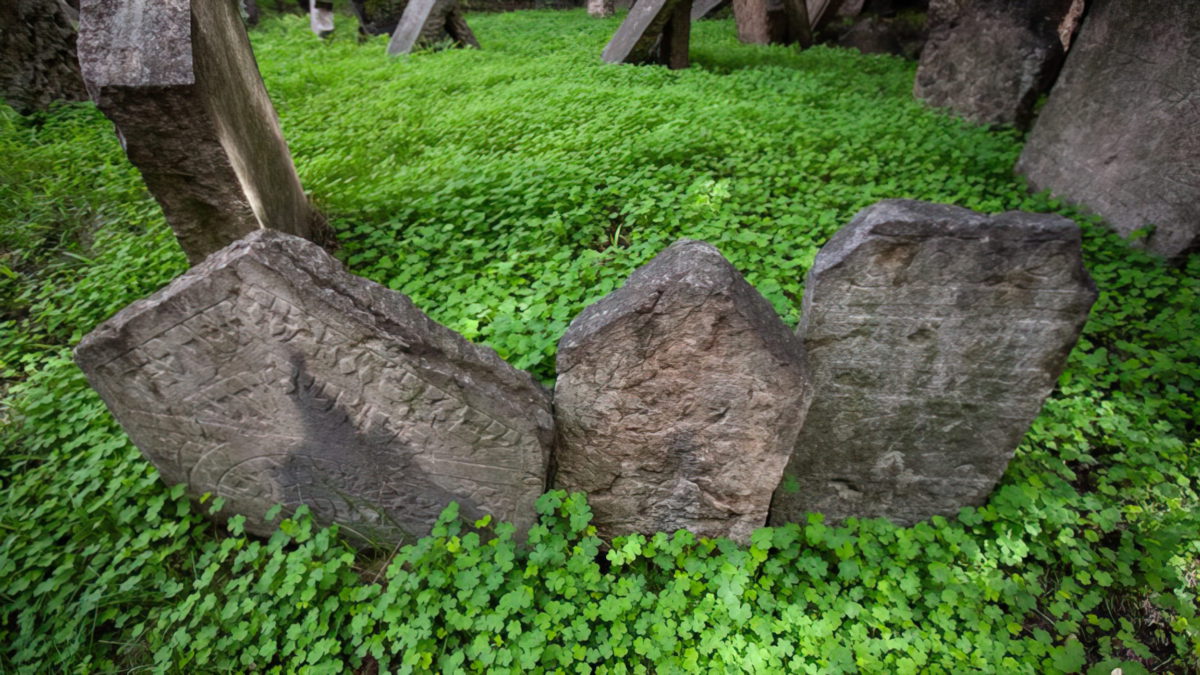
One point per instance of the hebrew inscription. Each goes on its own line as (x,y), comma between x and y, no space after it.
(268,375)
(933,335)
(677,400)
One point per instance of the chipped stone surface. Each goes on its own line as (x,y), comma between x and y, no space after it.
(425,23)
(654,31)
(678,400)
(989,60)
(1120,133)
(268,374)
(933,335)
(179,80)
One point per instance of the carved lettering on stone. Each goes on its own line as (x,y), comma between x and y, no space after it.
(268,375)
(654,31)
(678,400)
(933,335)
(179,80)
(1120,133)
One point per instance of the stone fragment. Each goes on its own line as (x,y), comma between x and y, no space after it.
(1120,133)
(179,80)
(38,65)
(989,60)
(933,336)
(654,31)
(678,400)
(426,23)
(269,375)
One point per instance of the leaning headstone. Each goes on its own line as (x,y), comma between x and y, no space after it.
(1120,133)
(269,375)
(989,60)
(933,335)
(427,23)
(654,31)
(179,80)
(38,65)
(678,400)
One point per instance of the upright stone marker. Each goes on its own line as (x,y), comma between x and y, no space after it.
(427,22)
(678,401)
(933,336)
(1120,133)
(990,60)
(179,80)
(268,374)
(654,31)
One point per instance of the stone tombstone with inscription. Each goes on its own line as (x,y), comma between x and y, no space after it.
(933,336)
(1120,133)
(269,375)
(678,400)
(654,32)
(179,80)
(426,23)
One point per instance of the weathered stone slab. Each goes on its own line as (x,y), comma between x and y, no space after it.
(179,80)
(933,336)
(38,64)
(990,60)
(678,400)
(269,375)
(654,31)
(1120,133)
(426,23)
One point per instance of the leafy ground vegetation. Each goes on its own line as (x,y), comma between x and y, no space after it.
(504,190)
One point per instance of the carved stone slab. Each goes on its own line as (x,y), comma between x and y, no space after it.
(990,60)
(179,80)
(269,375)
(654,31)
(933,336)
(1120,133)
(425,23)
(678,400)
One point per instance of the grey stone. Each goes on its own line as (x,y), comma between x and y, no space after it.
(678,400)
(654,31)
(179,80)
(705,8)
(989,60)
(268,374)
(933,334)
(38,65)
(1120,133)
(426,23)
(378,17)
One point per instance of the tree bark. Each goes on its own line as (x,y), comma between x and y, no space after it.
(37,54)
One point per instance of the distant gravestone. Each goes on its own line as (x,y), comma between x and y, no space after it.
(772,21)
(989,60)
(378,17)
(933,335)
(179,80)
(426,23)
(1120,133)
(269,375)
(677,400)
(654,31)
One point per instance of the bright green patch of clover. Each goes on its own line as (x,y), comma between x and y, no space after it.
(504,190)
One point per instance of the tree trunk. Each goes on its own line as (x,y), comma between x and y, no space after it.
(601,8)
(37,54)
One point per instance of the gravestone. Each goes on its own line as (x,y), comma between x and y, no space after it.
(426,23)
(378,17)
(989,60)
(933,336)
(269,375)
(654,31)
(763,22)
(179,80)
(1120,133)
(38,65)
(704,8)
(678,400)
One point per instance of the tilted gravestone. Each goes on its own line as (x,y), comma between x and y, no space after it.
(933,336)
(269,375)
(990,60)
(654,31)
(678,400)
(1120,133)
(179,80)
(426,23)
